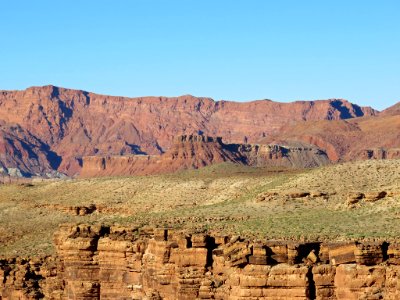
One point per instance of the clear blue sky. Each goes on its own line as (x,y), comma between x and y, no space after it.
(236,50)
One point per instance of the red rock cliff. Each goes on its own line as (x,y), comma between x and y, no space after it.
(195,151)
(72,124)
(95,262)
(358,138)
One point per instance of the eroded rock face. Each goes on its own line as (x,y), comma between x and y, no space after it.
(381,153)
(72,123)
(373,137)
(98,262)
(22,154)
(305,156)
(196,151)
(31,279)
(187,152)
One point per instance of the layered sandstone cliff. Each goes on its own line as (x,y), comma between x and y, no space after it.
(101,262)
(374,137)
(195,151)
(71,124)
(290,156)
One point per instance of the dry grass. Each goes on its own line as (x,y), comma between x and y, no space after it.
(221,197)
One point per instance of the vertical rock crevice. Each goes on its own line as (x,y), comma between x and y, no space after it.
(312,292)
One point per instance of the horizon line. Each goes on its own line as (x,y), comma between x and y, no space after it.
(199,97)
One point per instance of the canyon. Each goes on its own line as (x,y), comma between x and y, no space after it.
(199,150)
(189,198)
(47,131)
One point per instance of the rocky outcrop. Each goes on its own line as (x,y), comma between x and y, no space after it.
(22,154)
(381,153)
(22,278)
(72,123)
(279,155)
(363,138)
(102,262)
(358,197)
(187,152)
(196,151)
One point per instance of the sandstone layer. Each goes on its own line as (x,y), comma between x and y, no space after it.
(375,137)
(70,124)
(102,262)
(195,151)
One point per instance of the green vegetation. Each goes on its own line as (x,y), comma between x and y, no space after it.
(224,198)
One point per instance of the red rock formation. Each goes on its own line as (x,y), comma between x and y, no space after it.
(73,124)
(374,137)
(392,110)
(291,156)
(188,151)
(195,151)
(21,153)
(100,262)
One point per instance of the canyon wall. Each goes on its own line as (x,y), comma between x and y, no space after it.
(374,137)
(101,262)
(196,151)
(47,130)
(59,126)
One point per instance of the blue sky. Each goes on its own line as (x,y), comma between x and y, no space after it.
(233,50)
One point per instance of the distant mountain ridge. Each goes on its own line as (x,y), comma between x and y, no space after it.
(59,126)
